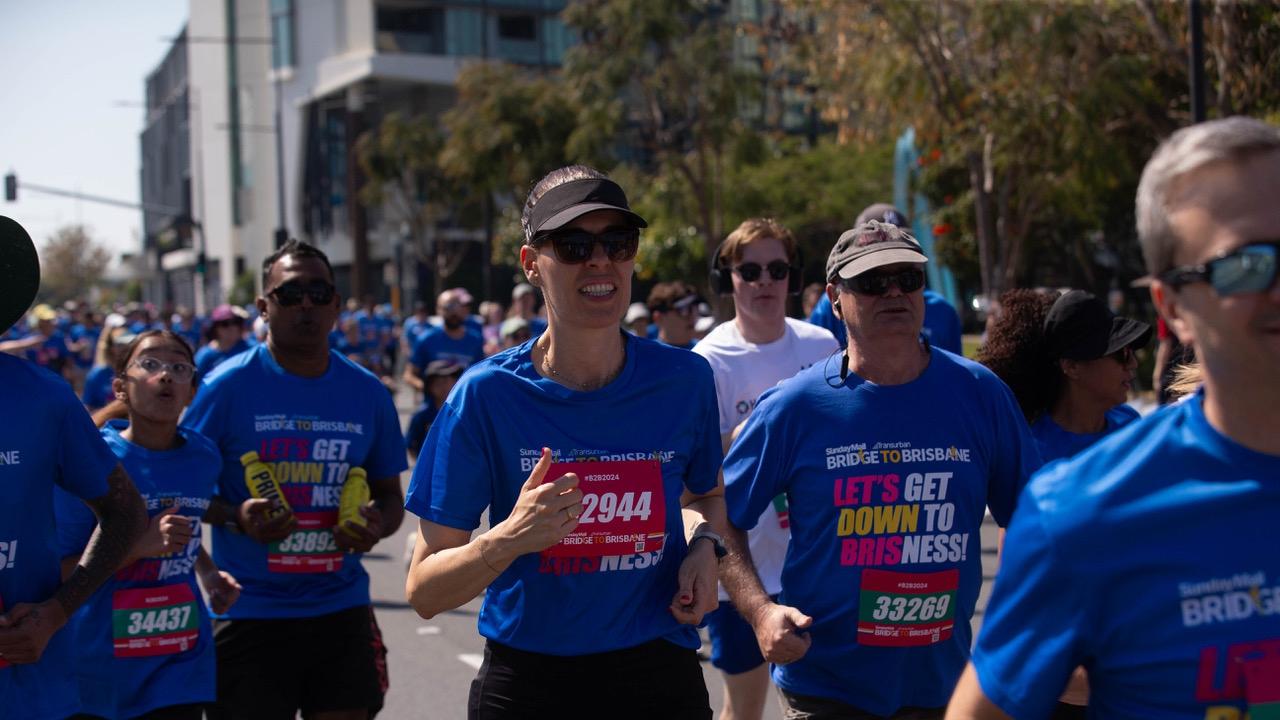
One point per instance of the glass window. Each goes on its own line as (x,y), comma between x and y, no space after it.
(464,33)
(517,27)
(282,34)
(410,30)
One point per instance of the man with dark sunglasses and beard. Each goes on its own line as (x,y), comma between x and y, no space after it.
(458,341)
(889,454)
(1151,557)
(303,635)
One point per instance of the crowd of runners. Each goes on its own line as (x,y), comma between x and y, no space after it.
(611,476)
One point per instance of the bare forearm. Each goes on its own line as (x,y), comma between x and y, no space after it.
(121,519)
(221,512)
(448,578)
(739,576)
(390,503)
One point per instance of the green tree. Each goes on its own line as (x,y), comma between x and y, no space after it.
(401,159)
(661,76)
(71,262)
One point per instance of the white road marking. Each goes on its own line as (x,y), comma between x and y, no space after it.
(429,630)
(472,659)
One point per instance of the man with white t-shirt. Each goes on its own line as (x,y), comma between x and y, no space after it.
(755,351)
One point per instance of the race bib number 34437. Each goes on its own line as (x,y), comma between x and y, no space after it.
(154,621)
(623,509)
(898,609)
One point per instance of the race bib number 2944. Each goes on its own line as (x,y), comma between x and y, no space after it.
(623,509)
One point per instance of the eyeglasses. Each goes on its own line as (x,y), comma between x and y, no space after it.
(750,271)
(290,294)
(180,371)
(908,281)
(1251,268)
(575,246)
(230,323)
(1124,356)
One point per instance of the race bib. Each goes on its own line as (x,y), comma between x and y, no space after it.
(1262,687)
(898,609)
(154,621)
(310,549)
(623,509)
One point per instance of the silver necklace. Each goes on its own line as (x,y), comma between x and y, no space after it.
(546,364)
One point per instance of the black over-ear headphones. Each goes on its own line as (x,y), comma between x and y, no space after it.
(722,275)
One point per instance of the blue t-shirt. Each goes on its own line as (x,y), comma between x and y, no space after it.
(416,434)
(1056,443)
(143,640)
(311,431)
(209,357)
(941,322)
(413,329)
(46,438)
(886,487)
(436,344)
(488,437)
(97,387)
(89,337)
(52,353)
(370,328)
(1150,559)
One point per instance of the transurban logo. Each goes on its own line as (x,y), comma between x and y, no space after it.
(10,457)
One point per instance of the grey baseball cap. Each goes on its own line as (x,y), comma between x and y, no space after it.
(869,246)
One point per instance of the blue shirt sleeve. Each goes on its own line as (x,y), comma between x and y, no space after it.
(207,416)
(421,354)
(84,459)
(74,521)
(452,482)
(386,457)
(755,470)
(1013,458)
(823,316)
(1030,639)
(706,456)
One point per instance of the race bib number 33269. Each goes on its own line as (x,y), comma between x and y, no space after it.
(623,508)
(898,609)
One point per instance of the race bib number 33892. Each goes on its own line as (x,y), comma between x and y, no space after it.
(898,609)
(623,508)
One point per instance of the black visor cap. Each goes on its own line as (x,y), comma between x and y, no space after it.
(565,203)
(19,272)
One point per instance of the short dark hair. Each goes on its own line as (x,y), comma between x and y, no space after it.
(665,294)
(296,248)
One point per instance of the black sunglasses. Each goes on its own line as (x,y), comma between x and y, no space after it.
(290,294)
(750,271)
(1251,268)
(908,281)
(575,246)
(1124,355)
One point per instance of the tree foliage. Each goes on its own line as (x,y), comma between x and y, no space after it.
(71,262)
(1036,117)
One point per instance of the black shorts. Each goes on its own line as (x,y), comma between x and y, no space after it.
(271,669)
(658,679)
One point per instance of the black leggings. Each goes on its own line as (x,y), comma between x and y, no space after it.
(655,680)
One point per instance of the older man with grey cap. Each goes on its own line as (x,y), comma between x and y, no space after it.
(889,455)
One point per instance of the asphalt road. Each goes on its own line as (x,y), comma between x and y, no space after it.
(432,662)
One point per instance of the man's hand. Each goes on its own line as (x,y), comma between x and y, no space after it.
(545,512)
(223,590)
(165,533)
(355,538)
(25,630)
(252,518)
(780,631)
(696,594)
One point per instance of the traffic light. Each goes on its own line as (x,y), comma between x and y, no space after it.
(11,187)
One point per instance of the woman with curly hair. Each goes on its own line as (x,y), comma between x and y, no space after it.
(1070,364)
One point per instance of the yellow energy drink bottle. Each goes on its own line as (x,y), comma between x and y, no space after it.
(355,493)
(262,484)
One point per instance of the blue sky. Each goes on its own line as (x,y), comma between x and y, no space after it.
(66,66)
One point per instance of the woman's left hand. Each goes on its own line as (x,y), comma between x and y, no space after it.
(696,594)
(223,590)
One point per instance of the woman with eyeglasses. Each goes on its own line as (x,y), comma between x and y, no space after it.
(1070,363)
(145,645)
(596,454)
(226,339)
